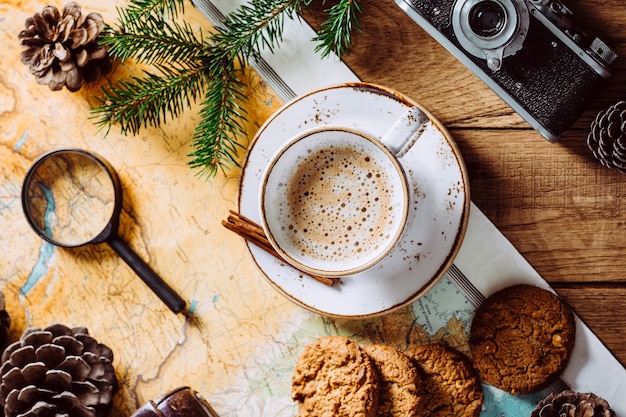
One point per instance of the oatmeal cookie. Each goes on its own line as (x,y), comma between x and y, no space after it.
(334,377)
(400,382)
(521,338)
(450,384)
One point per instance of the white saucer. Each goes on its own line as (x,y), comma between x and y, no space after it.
(440,196)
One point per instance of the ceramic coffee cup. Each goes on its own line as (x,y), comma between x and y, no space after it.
(334,200)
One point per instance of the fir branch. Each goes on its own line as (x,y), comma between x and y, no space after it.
(335,34)
(257,24)
(145,37)
(163,8)
(192,68)
(216,138)
(149,100)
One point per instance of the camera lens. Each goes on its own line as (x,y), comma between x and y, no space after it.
(491,29)
(487,18)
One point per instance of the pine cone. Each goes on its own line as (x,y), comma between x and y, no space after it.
(5,323)
(607,139)
(57,371)
(572,404)
(63,50)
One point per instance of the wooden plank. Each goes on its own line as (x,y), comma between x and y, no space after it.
(596,307)
(560,208)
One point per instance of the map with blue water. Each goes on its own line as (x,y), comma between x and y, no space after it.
(443,314)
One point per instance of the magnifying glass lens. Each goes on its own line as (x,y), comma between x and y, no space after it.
(70,198)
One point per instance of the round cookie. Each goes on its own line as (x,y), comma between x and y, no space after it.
(400,382)
(450,385)
(334,377)
(521,338)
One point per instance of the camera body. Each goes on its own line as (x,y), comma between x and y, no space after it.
(528,51)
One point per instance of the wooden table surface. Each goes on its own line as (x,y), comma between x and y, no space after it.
(558,206)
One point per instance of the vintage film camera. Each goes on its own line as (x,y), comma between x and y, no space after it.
(528,51)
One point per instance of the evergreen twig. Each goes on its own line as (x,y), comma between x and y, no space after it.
(255,25)
(147,101)
(192,68)
(221,123)
(145,37)
(335,33)
(163,8)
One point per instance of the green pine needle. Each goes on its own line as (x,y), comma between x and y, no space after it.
(163,8)
(145,37)
(255,25)
(193,68)
(149,100)
(216,138)
(335,33)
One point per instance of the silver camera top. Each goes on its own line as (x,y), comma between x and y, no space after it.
(491,29)
(529,52)
(496,29)
(562,17)
(559,15)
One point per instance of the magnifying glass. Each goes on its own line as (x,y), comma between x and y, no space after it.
(73,198)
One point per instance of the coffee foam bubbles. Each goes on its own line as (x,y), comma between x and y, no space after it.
(339,205)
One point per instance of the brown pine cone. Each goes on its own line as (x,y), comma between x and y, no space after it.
(573,404)
(607,139)
(5,323)
(62,49)
(57,371)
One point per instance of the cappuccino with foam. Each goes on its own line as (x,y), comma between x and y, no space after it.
(338,201)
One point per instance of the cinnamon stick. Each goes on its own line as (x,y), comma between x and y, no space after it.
(252,232)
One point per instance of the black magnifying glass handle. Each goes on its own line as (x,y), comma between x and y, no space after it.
(171,299)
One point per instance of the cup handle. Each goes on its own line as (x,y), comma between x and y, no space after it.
(405,131)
